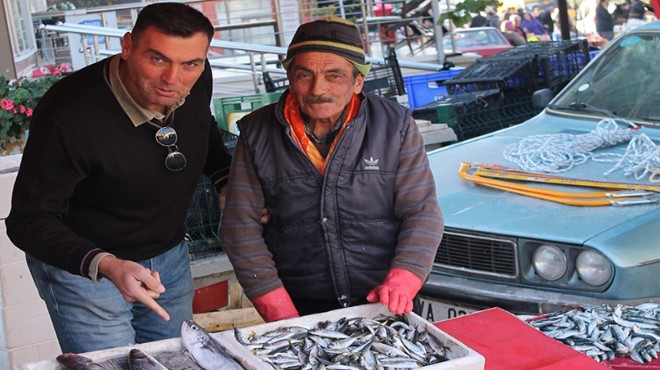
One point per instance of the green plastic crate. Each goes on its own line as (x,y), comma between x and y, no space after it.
(229,110)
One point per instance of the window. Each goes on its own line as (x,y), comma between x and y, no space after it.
(20,28)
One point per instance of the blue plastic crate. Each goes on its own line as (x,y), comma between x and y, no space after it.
(426,88)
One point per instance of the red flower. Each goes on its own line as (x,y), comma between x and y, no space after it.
(7,104)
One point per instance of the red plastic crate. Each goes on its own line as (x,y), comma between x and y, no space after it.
(211,297)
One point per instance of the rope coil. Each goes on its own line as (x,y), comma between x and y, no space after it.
(557,153)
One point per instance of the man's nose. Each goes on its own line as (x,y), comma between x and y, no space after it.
(318,85)
(170,75)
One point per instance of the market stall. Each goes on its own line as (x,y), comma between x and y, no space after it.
(490,339)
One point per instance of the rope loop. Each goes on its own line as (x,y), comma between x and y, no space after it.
(557,153)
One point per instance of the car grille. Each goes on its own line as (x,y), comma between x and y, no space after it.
(480,254)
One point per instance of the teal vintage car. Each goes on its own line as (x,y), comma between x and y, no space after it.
(509,248)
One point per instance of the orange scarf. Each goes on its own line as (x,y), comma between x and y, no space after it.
(293,117)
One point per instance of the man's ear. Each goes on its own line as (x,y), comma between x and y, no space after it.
(126,44)
(359,84)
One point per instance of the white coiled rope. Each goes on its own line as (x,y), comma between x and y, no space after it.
(556,153)
(642,157)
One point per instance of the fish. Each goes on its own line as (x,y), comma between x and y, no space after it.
(140,360)
(72,361)
(604,332)
(204,349)
(382,342)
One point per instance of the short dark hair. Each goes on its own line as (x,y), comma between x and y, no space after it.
(175,19)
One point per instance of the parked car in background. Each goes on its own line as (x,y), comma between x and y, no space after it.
(532,256)
(484,41)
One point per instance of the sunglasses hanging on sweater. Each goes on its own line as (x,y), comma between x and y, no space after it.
(167,137)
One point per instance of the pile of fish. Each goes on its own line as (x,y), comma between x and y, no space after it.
(383,342)
(603,332)
(202,351)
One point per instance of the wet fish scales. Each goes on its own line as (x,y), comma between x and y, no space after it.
(140,360)
(72,361)
(205,350)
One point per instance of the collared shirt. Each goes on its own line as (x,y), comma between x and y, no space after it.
(137,114)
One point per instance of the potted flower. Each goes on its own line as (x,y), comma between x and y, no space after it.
(18,99)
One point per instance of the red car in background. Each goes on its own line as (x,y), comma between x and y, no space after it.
(484,41)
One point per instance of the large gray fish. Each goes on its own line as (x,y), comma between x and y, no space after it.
(139,360)
(204,349)
(72,361)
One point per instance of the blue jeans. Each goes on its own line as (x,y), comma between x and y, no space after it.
(90,316)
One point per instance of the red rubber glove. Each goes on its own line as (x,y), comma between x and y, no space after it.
(275,305)
(397,291)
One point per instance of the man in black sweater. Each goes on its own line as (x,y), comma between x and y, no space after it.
(114,155)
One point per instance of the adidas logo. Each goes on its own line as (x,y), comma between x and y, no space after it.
(371,164)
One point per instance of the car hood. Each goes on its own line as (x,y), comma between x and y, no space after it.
(468,206)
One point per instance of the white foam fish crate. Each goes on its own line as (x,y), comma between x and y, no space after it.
(460,356)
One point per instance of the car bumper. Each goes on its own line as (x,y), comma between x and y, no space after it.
(522,301)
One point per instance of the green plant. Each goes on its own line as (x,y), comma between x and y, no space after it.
(19,98)
(462,12)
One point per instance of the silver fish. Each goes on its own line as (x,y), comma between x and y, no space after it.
(384,342)
(606,331)
(204,349)
(139,360)
(72,361)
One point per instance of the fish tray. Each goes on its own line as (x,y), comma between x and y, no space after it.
(461,357)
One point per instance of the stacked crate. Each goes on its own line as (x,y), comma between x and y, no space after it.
(515,73)
(468,114)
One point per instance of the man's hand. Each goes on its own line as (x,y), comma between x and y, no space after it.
(135,282)
(397,291)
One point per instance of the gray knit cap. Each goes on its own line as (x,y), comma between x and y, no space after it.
(331,35)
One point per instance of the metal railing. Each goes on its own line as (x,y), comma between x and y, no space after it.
(245,57)
(250,40)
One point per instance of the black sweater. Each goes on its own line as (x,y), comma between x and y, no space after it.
(90,180)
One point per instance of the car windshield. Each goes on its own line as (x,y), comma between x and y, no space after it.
(624,81)
(474,38)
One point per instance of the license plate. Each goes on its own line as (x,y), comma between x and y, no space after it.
(434,311)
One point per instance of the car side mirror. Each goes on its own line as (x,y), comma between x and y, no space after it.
(541,98)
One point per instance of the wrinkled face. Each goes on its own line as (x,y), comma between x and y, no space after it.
(323,84)
(160,69)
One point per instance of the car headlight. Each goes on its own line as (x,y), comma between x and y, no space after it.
(549,262)
(593,268)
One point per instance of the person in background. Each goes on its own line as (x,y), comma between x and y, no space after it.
(493,18)
(114,156)
(546,19)
(509,32)
(508,13)
(637,10)
(533,28)
(621,13)
(604,21)
(516,22)
(354,216)
(478,21)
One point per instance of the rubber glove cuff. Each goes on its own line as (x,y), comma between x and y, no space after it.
(276,305)
(397,291)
